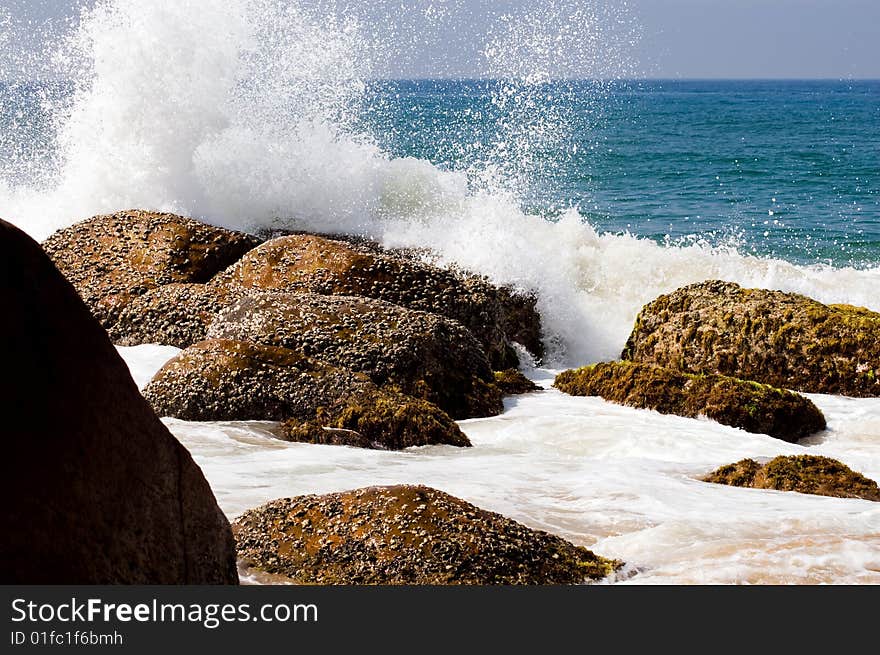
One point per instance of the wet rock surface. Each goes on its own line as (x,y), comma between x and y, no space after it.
(227,380)
(173,315)
(405,535)
(96,489)
(423,355)
(351,267)
(750,406)
(378,419)
(112,259)
(808,474)
(783,339)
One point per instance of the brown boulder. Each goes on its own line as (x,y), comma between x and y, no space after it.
(96,490)
(783,339)
(750,406)
(112,259)
(350,267)
(424,355)
(227,380)
(173,315)
(807,474)
(411,535)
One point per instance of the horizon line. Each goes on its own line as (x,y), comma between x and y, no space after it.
(558,79)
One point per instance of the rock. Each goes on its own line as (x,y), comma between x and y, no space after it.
(378,419)
(112,259)
(96,490)
(807,474)
(424,355)
(512,382)
(173,315)
(349,267)
(750,406)
(226,380)
(783,339)
(405,535)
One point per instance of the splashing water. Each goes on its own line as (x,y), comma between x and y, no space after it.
(243,115)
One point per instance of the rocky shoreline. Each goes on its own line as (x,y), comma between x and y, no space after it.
(346,343)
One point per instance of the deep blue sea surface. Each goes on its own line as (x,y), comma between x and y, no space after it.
(788,169)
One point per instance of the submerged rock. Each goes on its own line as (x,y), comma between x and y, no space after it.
(750,406)
(227,380)
(378,419)
(112,259)
(807,474)
(96,489)
(424,355)
(405,535)
(783,339)
(350,267)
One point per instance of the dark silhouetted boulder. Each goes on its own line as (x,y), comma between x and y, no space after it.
(783,339)
(751,406)
(96,490)
(411,535)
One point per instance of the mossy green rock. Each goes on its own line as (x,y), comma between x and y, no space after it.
(512,382)
(409,535)
(227,380)
(783,339)
(807,474)
(422,354)
(750,406)
(377,419)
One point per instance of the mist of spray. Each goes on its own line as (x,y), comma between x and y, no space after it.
(243,114)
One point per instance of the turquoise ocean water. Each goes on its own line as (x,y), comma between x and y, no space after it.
(787,169)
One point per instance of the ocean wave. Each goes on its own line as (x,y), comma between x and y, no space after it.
(241,115)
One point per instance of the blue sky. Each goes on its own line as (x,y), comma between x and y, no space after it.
(677,38)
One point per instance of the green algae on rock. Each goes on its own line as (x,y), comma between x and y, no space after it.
(807,474)
(409,535)
(751,406)
(512,382)
(784,339)
(378,419)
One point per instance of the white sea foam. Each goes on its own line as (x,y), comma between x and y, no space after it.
(621,481)
(145,360)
